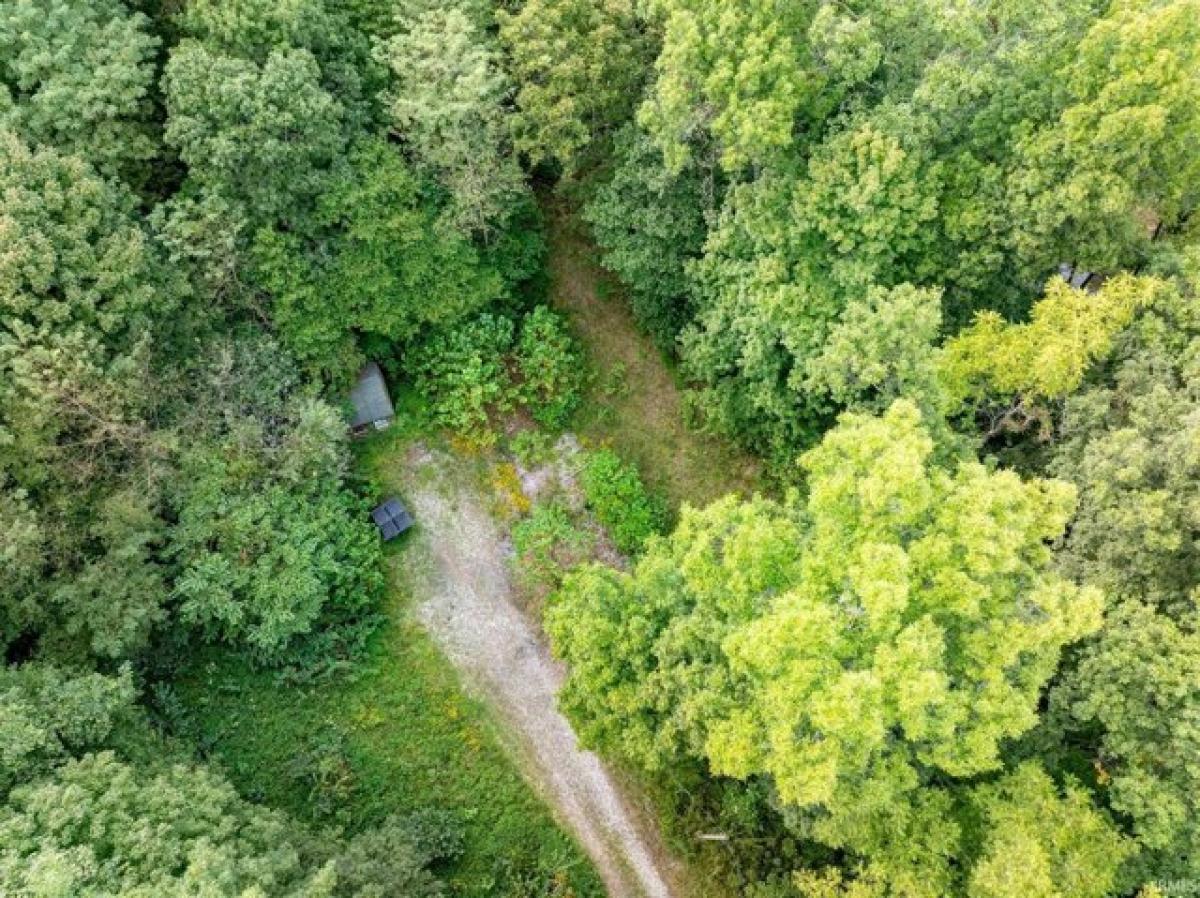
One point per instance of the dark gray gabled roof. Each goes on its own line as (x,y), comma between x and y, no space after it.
(392,518)
(370,397)
(1080,279)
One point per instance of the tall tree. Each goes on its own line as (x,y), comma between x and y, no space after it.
(269,540)
(1118,161)
(390,265)
(579,66)
(1045,359)
(99,827)
(738,70)
(78,76)
(81,290)
(265,135)
(1129,441)
(898,624)
(447,102)
(650,223)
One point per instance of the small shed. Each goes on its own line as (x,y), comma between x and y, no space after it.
(392,519)
(1081,279)
(373,409)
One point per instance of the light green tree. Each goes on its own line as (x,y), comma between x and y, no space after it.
(738,70)
(447,101)
(254,29)
(902,619)
(579,66)
(1041,843)
(78,76)
(50,714)
(1118,159)
(882,349)
(1027,365)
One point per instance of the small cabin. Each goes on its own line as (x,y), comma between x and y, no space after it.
(372,404)
(392,519)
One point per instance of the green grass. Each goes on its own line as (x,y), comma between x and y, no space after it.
(409,737)
(634,402)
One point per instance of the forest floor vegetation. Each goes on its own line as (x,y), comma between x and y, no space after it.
(458,568)
(633,400)
(399,731)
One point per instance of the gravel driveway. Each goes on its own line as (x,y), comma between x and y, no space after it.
(459,569)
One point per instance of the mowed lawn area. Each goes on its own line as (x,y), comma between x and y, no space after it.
(634,402)
(396,735)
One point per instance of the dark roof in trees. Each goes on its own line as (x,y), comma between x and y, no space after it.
(392,518)
(370,397)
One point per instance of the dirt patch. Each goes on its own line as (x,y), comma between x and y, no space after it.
(458,566)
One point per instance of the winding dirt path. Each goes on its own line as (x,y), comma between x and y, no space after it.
(464,599)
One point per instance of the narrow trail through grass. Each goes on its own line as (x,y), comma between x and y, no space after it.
(634,402)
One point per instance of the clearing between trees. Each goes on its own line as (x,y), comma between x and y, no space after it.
(633,401)
(457,566)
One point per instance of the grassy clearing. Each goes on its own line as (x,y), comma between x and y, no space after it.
(634,402)
(399,735)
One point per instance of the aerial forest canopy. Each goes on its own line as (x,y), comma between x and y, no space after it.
(934,263)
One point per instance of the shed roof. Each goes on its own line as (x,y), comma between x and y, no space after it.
(370,397)
(392,518)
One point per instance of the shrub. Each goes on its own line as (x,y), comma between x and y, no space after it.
(547,544)
(531,447)
(617,497)
(551,368)
(467,372)
(463,374)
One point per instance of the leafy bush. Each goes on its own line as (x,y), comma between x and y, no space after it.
(547,544)
(616,495)
(531,447)
(467,372)
(551,367)
(463,374)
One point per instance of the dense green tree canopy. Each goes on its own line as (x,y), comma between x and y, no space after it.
(391,265)
(447,102)
(266,135)
(50,714)
(1043,844)
(738,69)
(81,289)
(579,65)
(902,619)
(1118,161)
(100,827)
(650,224)
(917,670)
(78,75)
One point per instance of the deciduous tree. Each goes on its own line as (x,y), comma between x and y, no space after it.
(579,66)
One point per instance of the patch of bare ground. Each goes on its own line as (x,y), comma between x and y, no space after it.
(458,567)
